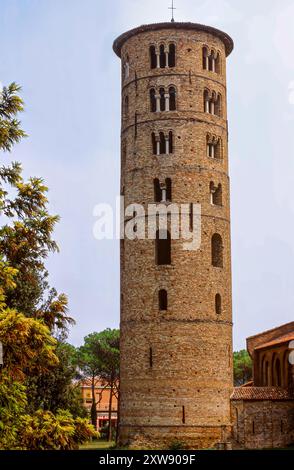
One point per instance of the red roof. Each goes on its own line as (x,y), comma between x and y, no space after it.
(262,393)
(279,340)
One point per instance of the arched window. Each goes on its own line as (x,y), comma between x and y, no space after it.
(172,55)
(154,146)
(162,299)
(162,57)
(218,148)
(157,190)
(266,374)
(152,100)
(171,144)
(126,107)
(162,99)
(278,375)
(218,106)
(168,184)
(172,98)
(218,63)
(153,59)
(162,142)
(205,59)
(163,247)
(217,251)
(215,194)
(218,304)
(206,101)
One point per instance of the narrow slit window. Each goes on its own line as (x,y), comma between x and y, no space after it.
(162,299)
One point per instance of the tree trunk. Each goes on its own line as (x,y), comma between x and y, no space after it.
(93,406)
(118,413)
(110,412)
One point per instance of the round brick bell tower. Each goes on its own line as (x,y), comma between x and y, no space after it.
(176,315)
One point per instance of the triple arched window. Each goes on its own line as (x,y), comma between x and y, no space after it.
(162,99)
(212,103)
(162,143)
(162,56)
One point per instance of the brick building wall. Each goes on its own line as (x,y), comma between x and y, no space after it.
(263,424)
(184,392)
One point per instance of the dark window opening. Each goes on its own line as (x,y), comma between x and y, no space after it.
(217,251)
(154,149)
(163,247)
(153,59)
(157,190)
(191,216)
(162,299)
(162,143)
(172,55)
(150,357)
(218,304)
(183,415)
(170,138)
(168,184)
(162,99)
(172,99)
(162,59)
(152,100)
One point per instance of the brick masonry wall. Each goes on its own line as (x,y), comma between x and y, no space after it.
(273,424)
(191,344)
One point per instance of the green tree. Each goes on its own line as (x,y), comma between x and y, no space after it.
(242,367)
(98,358)
(58,388)
(31,312)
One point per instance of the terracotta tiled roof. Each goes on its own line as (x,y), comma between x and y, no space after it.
(279,340)
(262,393)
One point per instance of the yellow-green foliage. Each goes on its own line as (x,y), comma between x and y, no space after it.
(41,430)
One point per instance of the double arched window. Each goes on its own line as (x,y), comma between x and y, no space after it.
(162,56)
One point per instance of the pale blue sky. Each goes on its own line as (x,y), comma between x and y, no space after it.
(60,51)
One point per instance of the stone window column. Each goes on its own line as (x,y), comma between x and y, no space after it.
(212,63)
(157,98)
(206,61)
(166,57)
(212,191)
(207,110)
(157,59)
(163,192)
(157,140)
(167,145)
(166,96)
(212,150)
(212,107)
